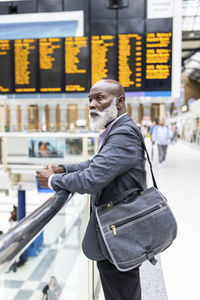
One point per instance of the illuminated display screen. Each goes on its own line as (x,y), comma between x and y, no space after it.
(103,57)
(25,65)
(131,62)
(158,61)
(139,62)
(76,64)
(50,64)
(5,66)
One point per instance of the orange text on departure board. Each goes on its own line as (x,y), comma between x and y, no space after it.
(101,44)
(22,51)
(130,60)
(47,48)
(158,55)
(73,47)
(4,50)
(47,59)
(4,47)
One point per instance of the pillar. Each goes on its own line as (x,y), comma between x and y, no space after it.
(128,109)
(33,123)
(140,113)
(58,117)
(47,117)
(7,126)
(162,111)
(72,115)
(155,112)
(87,115)
(172,108)
(19,118)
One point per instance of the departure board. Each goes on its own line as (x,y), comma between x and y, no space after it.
(158,60)
(5,66)
(50,64)
(76,64)
(25,66)
(103,57)
(130,61)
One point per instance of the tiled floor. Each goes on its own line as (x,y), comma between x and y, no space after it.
(180,182)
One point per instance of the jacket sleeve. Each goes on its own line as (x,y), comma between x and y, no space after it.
(118,155)
(76,167)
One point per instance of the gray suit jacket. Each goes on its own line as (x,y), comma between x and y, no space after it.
(118,166)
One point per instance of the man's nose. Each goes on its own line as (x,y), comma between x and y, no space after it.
(92,104)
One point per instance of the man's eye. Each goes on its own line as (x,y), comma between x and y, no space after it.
(99,98)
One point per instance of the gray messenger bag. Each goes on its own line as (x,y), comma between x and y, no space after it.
(134,229)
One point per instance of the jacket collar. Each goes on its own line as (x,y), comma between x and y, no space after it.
(121,120)
(117,123)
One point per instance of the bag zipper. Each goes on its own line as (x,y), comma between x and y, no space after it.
(123,222)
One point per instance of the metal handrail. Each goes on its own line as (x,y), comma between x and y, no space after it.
(14,242)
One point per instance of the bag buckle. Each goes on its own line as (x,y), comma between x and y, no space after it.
(150,255)
(105,207)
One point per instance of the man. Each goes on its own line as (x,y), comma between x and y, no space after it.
(117,167)
(161,135)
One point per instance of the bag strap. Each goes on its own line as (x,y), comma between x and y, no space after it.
(147,154)
(136,190)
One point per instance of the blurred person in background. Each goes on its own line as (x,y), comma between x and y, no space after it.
(13,216)
(52,290)
(144,131)
(174,133)
(150,131)
(161,136)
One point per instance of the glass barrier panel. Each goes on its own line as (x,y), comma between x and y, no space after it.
(54,264)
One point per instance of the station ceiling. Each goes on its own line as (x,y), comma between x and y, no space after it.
(191,38)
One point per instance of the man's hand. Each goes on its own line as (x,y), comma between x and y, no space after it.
(55,169)
(43,176)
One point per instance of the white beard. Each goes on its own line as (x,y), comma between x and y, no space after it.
(104,117)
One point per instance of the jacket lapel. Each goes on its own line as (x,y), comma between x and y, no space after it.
(118,123)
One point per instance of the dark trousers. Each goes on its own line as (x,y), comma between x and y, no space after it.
(119,285)
(162,151)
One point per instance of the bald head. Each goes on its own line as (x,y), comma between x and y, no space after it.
(112,86)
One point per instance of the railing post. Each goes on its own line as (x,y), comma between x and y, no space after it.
(21,213)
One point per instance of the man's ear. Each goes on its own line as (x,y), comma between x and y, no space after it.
(120,102)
